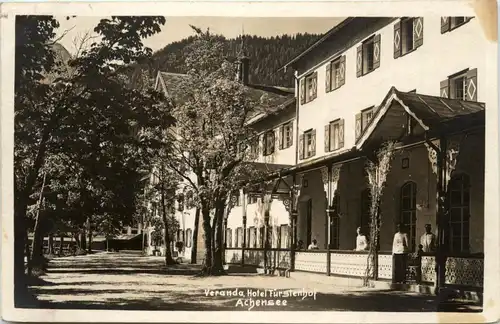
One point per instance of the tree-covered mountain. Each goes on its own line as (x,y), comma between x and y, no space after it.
(267,56)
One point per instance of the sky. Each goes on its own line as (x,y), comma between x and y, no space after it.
(177,28)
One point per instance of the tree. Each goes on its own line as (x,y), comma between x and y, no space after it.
(377,170)
(211,136)
(85,116)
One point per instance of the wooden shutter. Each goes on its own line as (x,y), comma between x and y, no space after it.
(376,52)
(272,142)
(341,133)
(290,140)
(418,31)
(315,85)
(445,24)
(313,142)
(342,71)
(328,77)
(357,127)
(472,85)
(359,61)
(397,39)
(444,92)
(281,137)
(327,138)
(303,91)
(301,146)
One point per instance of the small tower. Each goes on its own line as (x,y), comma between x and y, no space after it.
(243,63)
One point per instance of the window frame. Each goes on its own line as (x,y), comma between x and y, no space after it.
(412,210)
(309,81)
(334,223)
(308,151)
(287,140)
(364,120)
(268,139)
(332,124)
(452,89)
(404,25)
(463,180)
(365,56)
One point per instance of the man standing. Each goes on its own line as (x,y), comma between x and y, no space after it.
(428,240)
(399,250)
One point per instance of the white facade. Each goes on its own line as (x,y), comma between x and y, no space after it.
(440,56)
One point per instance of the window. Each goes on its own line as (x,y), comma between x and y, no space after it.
(309,223)
(189,238)
(307,144)
(335,223)
(451,23)
(362,120)
(229,238)
(335,74)
(124,230)
(459,200)
(461,86)
(134,231)
(252,199)
(334,135)
(284,236)
(269,140)
(262,236)
(408,212)
(408,35)
(239,237)
(286,135)
(252,237)
(308,88)
(368,56)
(254,148)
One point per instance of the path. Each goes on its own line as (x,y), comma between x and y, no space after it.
(133,282)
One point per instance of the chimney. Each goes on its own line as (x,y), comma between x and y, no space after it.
(243,64)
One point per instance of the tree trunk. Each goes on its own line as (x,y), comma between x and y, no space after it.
(37,250)
(168,251)
(19,249)
(51,243)
(89,246)
(28,254)
(218,261)
(194,248)
(207,237)
(83,240)
(61,245)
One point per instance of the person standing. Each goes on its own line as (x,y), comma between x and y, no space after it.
(399,251)
(361,241)
(428,240)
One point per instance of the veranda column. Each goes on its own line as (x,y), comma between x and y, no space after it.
(294,197)
(326,176)
(267,199)
(443,154)
(244,213)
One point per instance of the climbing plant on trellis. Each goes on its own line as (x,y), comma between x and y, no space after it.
(377,170)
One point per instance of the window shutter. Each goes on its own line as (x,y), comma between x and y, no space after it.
(301,146)
(418,31)
(272,141)
(357,127)
(472,85)
(444,92)
(315,85)
(302,91)
(445,24)
(376,52)
(359,61)
(290,139)
(327,138)
(342,71)
(397,39)
(328,78)
(341,133)
(313,142)
(281,137)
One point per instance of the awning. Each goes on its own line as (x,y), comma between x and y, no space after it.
(432,115)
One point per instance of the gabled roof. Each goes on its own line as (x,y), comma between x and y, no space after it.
(281,97)
(432,113)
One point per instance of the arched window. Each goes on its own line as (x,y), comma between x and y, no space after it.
(365,216)
(459,200)
(189,237)
(408,216)
(229,238)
